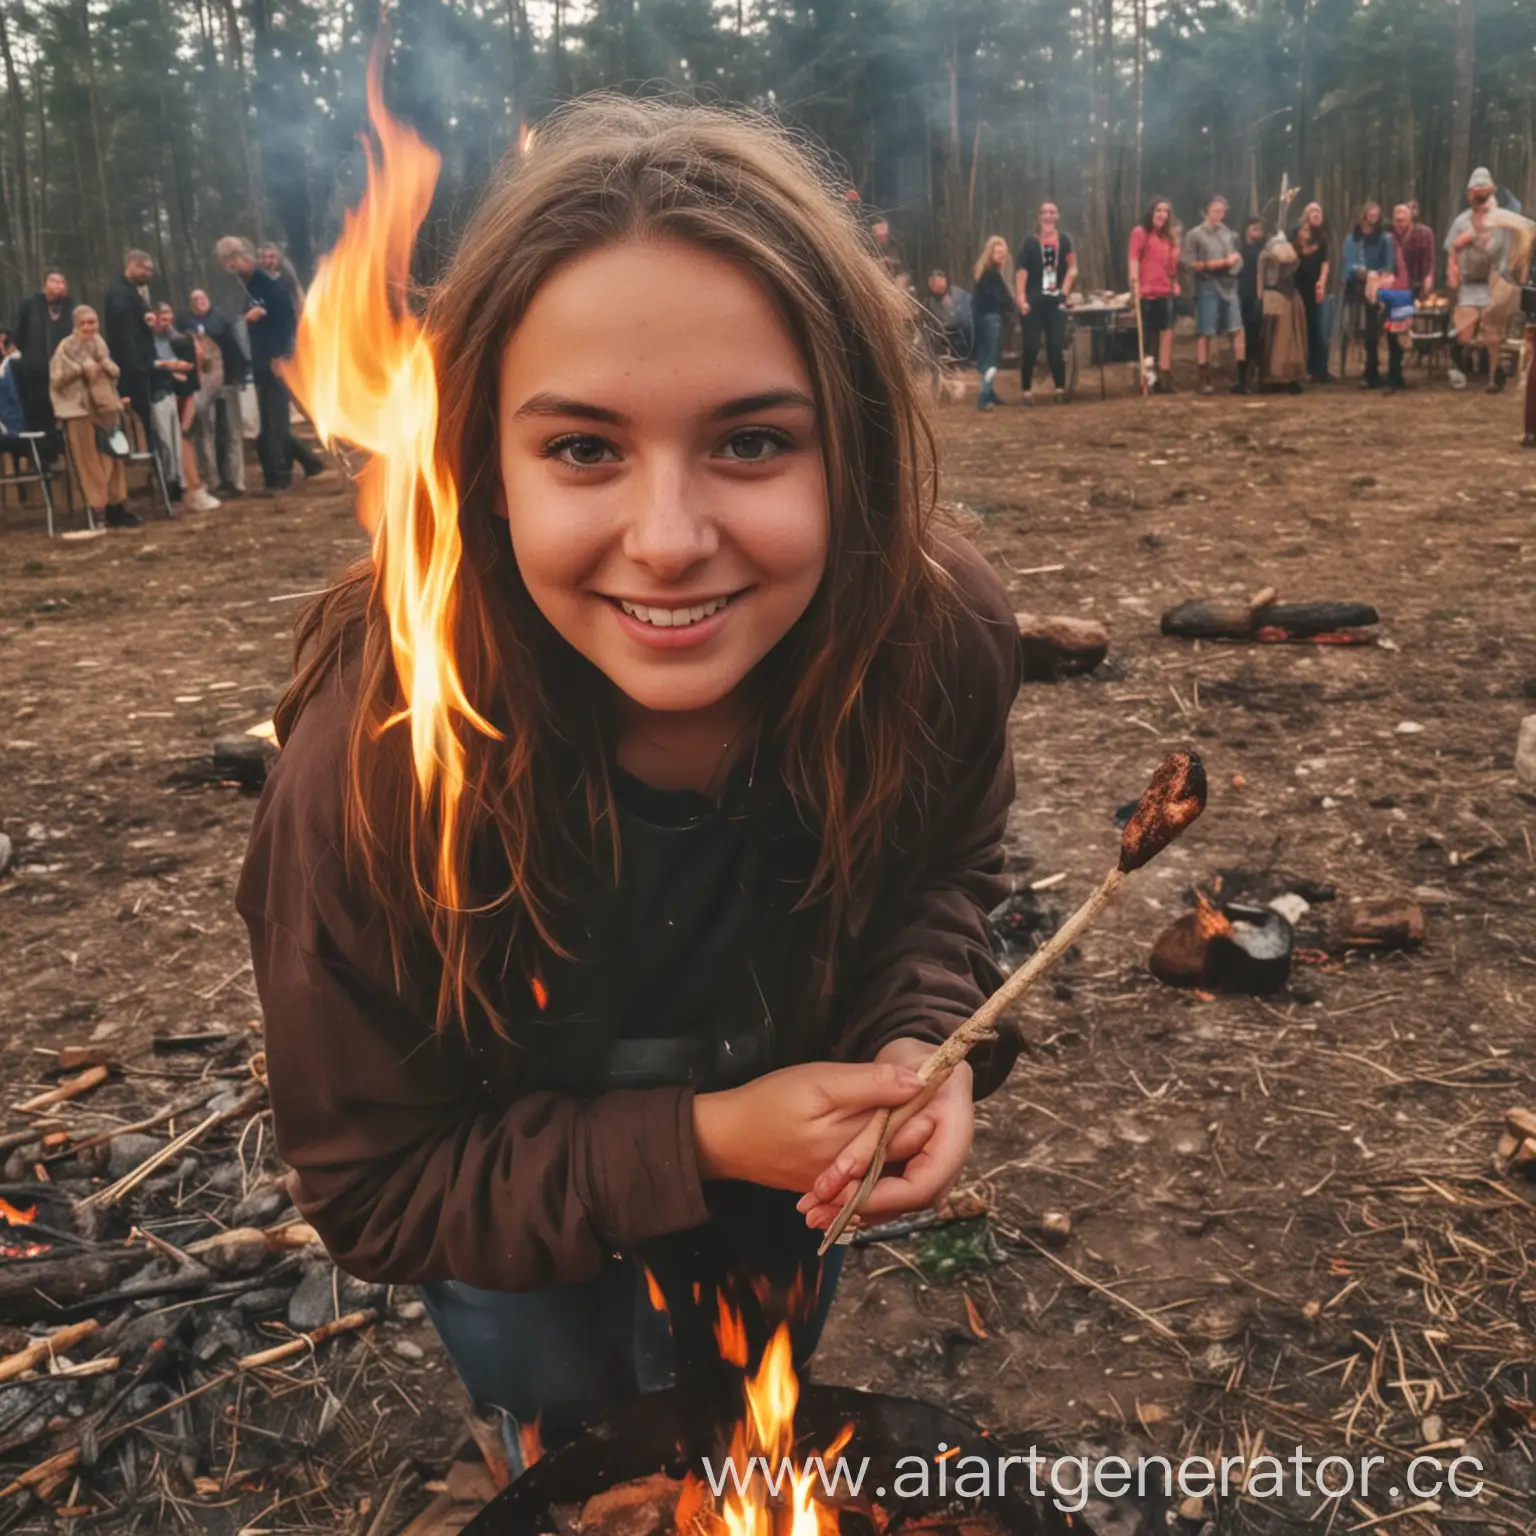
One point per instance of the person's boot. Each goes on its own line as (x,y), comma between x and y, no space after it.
(118,516)
(1241,387)
(1206,387)
(1497,382)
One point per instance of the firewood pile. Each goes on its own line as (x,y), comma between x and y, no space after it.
(172,1336)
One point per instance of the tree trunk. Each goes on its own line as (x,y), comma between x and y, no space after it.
(93,97)
(22,200)
(1461,104)
(1141,104)
(958,237)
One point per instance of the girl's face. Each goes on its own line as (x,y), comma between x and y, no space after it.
(997,253)
(86,325)
(1160,216)
(662,467)
(1049,215)
(1313,217)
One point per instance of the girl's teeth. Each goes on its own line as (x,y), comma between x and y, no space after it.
(672,618)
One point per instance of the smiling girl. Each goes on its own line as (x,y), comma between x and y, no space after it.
(718,879)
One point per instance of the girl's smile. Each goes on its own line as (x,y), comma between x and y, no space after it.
(662,471)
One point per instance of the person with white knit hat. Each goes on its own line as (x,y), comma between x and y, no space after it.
(1486,245)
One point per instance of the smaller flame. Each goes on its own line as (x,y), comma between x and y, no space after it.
(1210,920)
(731,1335)
(654,1291)
(531,1443)
(540,994)
(14,1216)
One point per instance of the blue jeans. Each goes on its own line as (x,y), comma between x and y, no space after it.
(1216,313)
(574,1353)
(989,346)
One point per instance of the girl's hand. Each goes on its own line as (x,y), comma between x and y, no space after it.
(933,1146)
(783,1129)
(1319,293)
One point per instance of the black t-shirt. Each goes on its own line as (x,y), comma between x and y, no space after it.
(1044,267)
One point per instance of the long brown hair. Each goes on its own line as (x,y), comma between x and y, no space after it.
(848,694)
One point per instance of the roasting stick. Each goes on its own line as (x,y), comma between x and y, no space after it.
(1174,798)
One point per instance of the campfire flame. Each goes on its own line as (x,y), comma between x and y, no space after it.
(766,1429)
(14,1216)
(531,1442)
(1210,920)
(364,372)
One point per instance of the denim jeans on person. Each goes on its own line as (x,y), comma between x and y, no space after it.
(1217,313)
(165,439)
(1047,321)
(989,346)
(1156,317)
(220,438)
(274,444)
(572,1354)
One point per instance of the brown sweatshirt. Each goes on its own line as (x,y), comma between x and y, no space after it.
(424,1157)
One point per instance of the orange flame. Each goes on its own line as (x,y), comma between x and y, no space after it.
(767,1429)
(1210,920)
(14,1216)
(731,1334)
(654,1291)
(540,994)
(364,373)
(531,1442)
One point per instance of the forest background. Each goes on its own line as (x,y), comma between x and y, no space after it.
(167,123)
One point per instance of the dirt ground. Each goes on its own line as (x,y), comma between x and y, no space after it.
(1289,1226)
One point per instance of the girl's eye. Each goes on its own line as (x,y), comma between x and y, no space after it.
(756,446)
(582,451)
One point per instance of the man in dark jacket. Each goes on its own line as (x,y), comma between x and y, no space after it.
(273,326)
(42,322)
(125,322)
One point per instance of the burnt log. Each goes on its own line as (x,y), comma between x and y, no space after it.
(1267,620)
(34,1290)
(1057,645)
(1383,924)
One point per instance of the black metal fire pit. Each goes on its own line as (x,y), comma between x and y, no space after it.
(670,1431)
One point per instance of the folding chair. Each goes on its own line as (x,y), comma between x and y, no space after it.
(39,474)
(144,453)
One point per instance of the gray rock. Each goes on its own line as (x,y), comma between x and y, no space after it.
(313,1301)
(224,1332)
(406,1350)
(271,1298)
(226,1179)
(128,1151)
(259,1207)
(7,852)
(222,1101)
(410,1311)
(357,1294)
(186,1169)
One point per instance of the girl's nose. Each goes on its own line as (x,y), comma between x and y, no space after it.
(670,527)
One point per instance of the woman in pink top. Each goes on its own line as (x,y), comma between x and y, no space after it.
(1154,273)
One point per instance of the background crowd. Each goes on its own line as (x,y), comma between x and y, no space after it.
(136,377)
(1275,297)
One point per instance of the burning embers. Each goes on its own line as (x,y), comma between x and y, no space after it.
(745,1449)
(12,1246)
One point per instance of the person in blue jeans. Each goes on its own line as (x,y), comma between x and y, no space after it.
(1211,252)
(597,997)
(992,310)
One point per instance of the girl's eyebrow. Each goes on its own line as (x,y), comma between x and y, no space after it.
(547,403)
